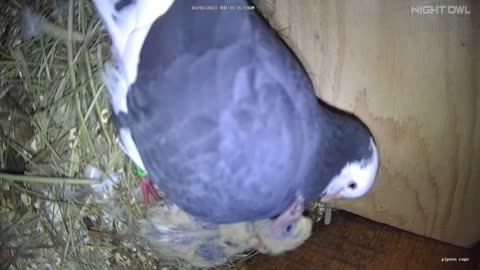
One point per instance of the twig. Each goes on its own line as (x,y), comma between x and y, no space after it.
(47,180)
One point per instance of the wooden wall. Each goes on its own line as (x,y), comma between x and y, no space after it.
(414,79)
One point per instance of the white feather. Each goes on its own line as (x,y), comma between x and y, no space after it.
(362,173)
(128,29)
(129,147)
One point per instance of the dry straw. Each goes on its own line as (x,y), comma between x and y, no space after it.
(54,123)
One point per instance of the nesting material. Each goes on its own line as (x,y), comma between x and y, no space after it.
(54,123)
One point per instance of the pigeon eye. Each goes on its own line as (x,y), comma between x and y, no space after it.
(352,185)
(289,228)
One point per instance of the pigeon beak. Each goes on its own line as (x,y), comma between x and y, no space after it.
(331,197)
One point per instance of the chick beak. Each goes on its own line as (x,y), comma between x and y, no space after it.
(331,197)
(257,244)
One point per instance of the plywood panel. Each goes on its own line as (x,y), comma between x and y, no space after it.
(414,80)
(352,242)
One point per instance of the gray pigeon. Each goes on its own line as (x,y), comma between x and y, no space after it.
(223,117)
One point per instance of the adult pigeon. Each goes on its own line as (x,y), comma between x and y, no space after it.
(223,117)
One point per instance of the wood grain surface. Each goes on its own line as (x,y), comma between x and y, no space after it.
(414,80)
(353,242)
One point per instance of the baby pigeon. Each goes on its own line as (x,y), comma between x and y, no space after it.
(175,234)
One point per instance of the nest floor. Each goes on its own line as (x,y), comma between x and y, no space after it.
(354,242)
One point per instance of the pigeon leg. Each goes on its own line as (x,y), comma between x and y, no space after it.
(148,189)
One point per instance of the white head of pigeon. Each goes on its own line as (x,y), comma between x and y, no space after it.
(354,180)
(225,120)
(350,158)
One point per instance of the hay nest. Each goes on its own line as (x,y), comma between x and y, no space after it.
(55,132)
